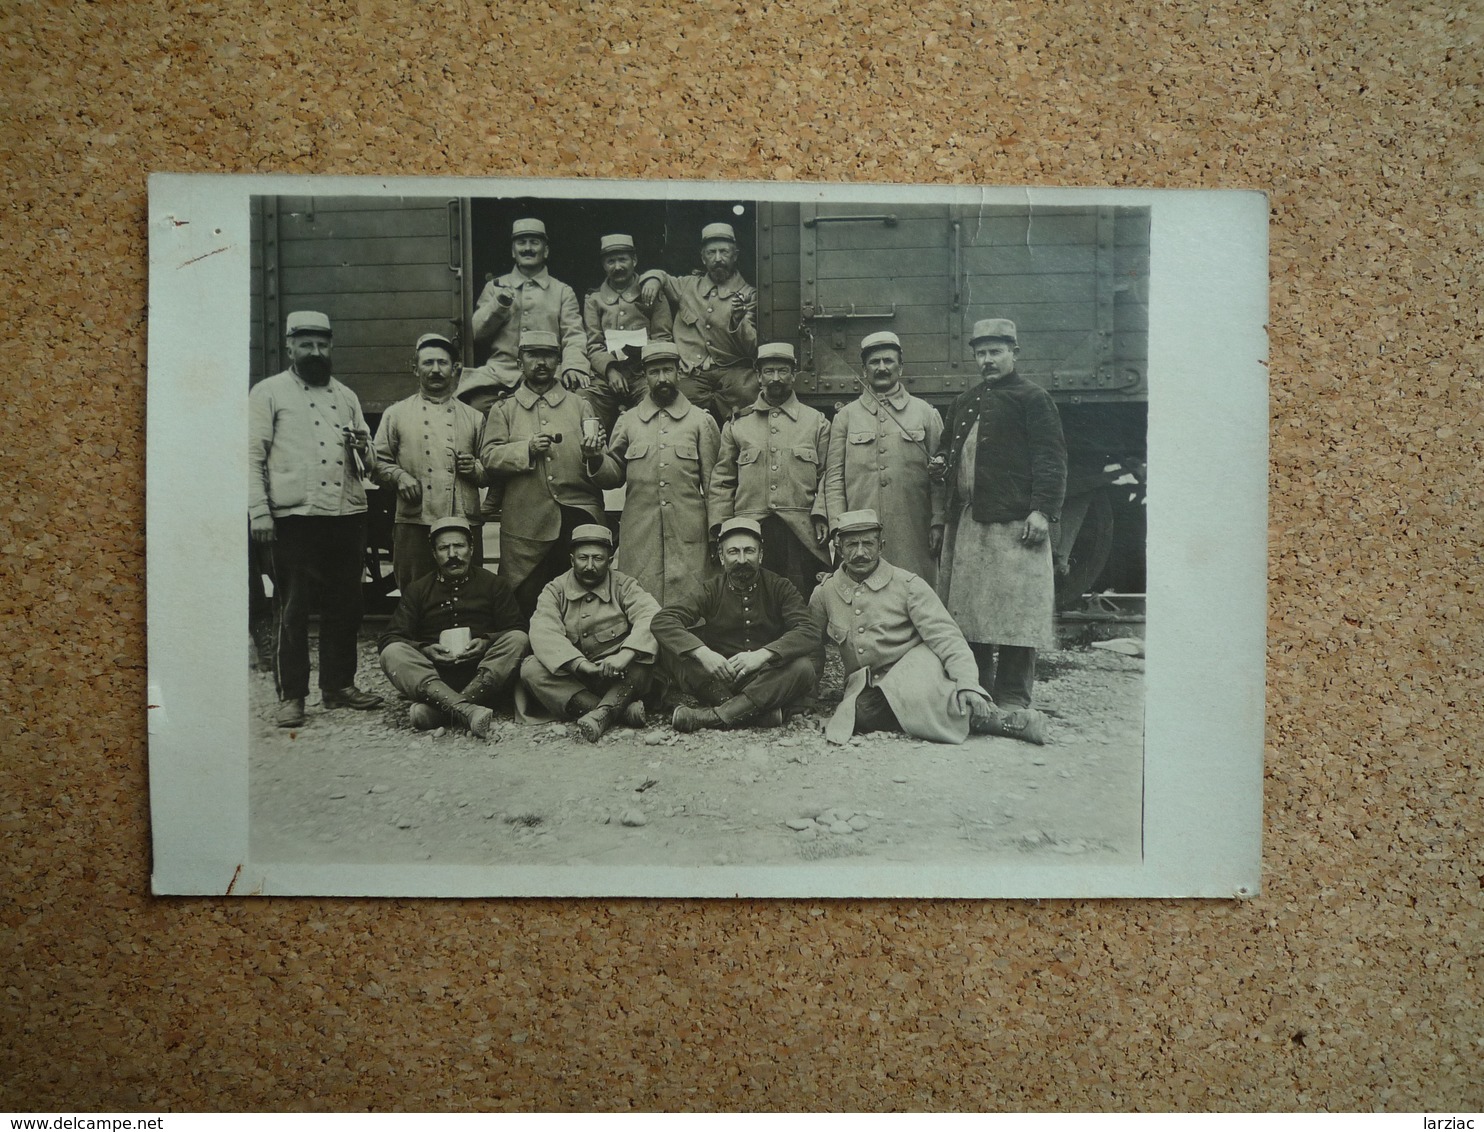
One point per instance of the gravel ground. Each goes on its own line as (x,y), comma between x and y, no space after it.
(363,787)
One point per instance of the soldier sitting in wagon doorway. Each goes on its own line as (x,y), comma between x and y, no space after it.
(527,298)
(592,650)
(456,638)
(1006,469)
(769,468)
(617,309)
(715,324)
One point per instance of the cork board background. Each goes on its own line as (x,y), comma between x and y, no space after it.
(1352,982)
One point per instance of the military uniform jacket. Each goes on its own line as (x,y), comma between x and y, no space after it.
(878,458)
(415,443)
(665,455)
(1020,456)
(771,461)
(536,488)
(541,303)
(704,334)
(894,634)
(607,309)
(483,603)
(298,463)
(572,623)
(770,616)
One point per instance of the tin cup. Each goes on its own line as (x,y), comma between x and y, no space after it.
(590,428)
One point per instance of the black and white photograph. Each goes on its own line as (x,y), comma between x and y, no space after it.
(687,539)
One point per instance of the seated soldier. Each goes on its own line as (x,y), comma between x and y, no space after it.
(746,646)
(455,640)
(907,665)
(591,648)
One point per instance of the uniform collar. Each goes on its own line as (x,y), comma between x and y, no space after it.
(731,286)
(791,406)
(573,590)
(897,400)
(610,296)
(328,387)
(647,409)
(514,278)
(875,581)
(527,397)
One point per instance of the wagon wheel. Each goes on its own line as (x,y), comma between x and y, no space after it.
(1089,554)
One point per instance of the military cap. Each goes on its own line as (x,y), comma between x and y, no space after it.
(591,532)
(994,328)
(659,351)
(880,338)
(450,523)
(473,380)
(777,350)
(616,243)
(863,520)
(307,322)
(528,227)
(718,232)
(435,340)
(740,526)
(539,340)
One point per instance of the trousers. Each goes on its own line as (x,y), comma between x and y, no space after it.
(409,668)
(777,686)
(1010,677)
(556,689)
(317,559)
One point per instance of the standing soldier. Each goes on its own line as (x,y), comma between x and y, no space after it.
(616,306)
(772,456)
(527,298)
(715,324)
(427,451)
(532,446)
(664,449)
(307,447)
(880,448)
(1007,474)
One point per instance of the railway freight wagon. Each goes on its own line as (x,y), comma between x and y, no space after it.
(1074,279)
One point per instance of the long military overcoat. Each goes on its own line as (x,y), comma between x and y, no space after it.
(665,455)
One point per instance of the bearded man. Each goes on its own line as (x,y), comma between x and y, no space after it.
(715,324)
(772,455)
(746,646)
(663,449)
(308,448)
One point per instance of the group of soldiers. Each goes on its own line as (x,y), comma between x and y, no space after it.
(754,534)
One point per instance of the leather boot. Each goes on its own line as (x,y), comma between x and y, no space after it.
(688,719)
(424,717)
(595,723)
(461,713)
(736,711)
(483,690)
